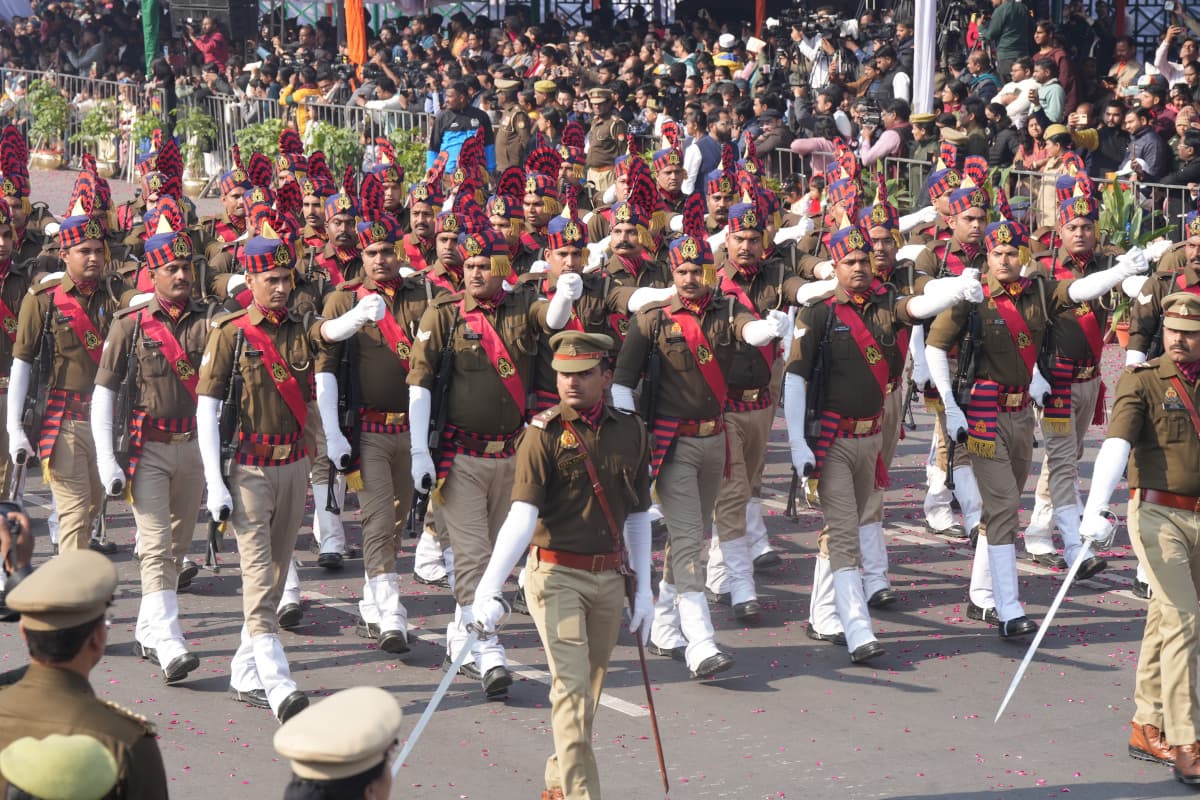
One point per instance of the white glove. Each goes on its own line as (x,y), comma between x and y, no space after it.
(208,436)
(795,399)
(1132,286)
(922,216)
(487,611)
(910,252)
(795,232)
(1098,531)
(1039,387)
(235,283)
(1157,249)
(112,478)
(568,289)
(812,291)
(1089,287)
(622,397)
(538,267)
(971,289)
(823,270)
(139,299)
(939,295)
(571,285)
(1134,357)
(648,294)
(52,276)
(19,447)
(424,471)
(369,309)
(762,332)
(512,542)
(676,223)
(717,240)
(336,445)
(407,272)
(597,251)
(637,544)
(1133,262)
(1107,470)
(956,420)
(641,618)
(219,502)
(610,195)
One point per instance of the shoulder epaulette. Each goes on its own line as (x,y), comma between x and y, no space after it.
(660,304)
(543,419)
(350,285)
(131,309)
(446,299)
(221,319)
(141,721)
(44,285)
(1144,365)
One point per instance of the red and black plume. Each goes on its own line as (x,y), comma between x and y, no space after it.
(573,135)
(237,159)
(693,217)
(670,132)
(511,183)
(371,197)
(545,160)
(289,142)
(728,158)
(289,200)
(976,168)
(349,188)
(260,171)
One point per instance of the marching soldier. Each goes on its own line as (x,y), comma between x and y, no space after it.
(1154,429)
(424,204)
(513,130)
(340,259)
(227,227)
(75,312)
(587,523)
(15,188)
(694,335)
(391,180)
(997,424)
(490,334)
(541,204)
(668,175)
(14,284)
(316,187)
(153,355)
(606,140)
(274,354)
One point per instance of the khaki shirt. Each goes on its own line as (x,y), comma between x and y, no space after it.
(1149,414)
(512,134)
(380,373)
(852,388)
(479,401)
(49,700)
(946,257)
(936,232)
(263,410)
(13,288)
(551,475)
(592,310)
(1069,338)
(606,140)
(623,283)
(748,369)
(999,359)
(73,370)
(682,391)
(160,391)
(1145,310)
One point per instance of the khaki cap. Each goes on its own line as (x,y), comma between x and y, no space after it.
(68,590)
(576,351)
(345,734)
(504,84)
(1056,130)
(600,95)
(545,87)
(954,136)
(75,767)
(1181,311)
(922,119)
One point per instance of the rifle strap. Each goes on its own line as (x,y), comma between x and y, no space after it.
(1186,397)
(614,529)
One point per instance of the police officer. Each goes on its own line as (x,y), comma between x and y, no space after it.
(513,130)
(541,204)
(165,339)
(491,333)
(63,607)
(425,200)
(14,283)
(340,259)
(15,188)
(316,187)
(227,227)
(79,307)
(606,139)
(668,177)
(267,477)
(998,421)
(580,496)
(1154,429)
(380,360)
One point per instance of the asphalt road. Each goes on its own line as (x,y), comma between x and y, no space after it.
(794,718)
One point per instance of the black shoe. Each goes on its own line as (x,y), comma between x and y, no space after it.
(1049,560)
(330,561)
(838,638)
(982,614)
(677,653)
(768,560)
(1021,626)
(107,548)
(290,616)
(1141,590)
(658,532)
(883,598)
(141,651)
(187,575)
(180,666)
(467,670)
(394,642)
(350,551)
(953,532)
(496,682)
(519,605)
(443,583)
(1093,566)
(292,705)
(367,630)
(718,598)
(254,697)
(712,665)
(749,612)
(872,649)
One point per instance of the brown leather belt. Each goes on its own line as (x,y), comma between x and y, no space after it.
(859,427)
(1169,499)
(153,434)
(1012,402)
(1083,372)
(484,446)
(597,562)
(384,417)
(747,395)
(273,452)
(78,408)
(701,428)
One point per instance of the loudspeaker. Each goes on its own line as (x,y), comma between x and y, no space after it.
(230,15)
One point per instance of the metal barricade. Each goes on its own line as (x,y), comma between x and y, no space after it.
(910,176)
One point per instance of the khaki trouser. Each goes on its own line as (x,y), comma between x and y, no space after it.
(268,506)
(75,484)
(578,617)
(601,179)
(1167,542)
(1060,461)
(961,457)
(166,501)
(314,443)
(687,487)
(476,497)
(387,480)
(1002,478)
(846,484)
(748,433)
(6,465)
(893,410)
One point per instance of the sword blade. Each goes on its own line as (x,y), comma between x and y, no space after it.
(1084,552)
(434,701)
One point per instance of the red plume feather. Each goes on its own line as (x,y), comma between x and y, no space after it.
(976,168)
(289,142)
(260,171)
(693,217)
(573,135)
(511,183)
(371,197)
(670,131)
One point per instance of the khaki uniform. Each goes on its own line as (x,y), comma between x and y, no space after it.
(578,611)
(1145,318)
(49,700)
(1149,413)
(512,135)
(606,141)
(13,287)
(74,481)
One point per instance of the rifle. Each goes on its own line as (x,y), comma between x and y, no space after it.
(228,426)
(964,379)
(791,511)
(652,378)
(349,400)
(910,421)
(439,410)
(38,396)
(126,399)
(818,386)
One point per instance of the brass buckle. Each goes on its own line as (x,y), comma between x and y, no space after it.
(280,451)
(494,447)
(751,395)
(1013,400)
(598,562)
(1085,373)
(395,418)
(864,426)
(706,428)
(180,438)
(891,387)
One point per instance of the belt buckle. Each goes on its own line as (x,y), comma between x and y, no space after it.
(280,451)
(706,428)
(864,426)
(1085,373)
(598,560)
(750,395)
(180,438)
(891,387)
(493,447)
(395,418)
(1013,400)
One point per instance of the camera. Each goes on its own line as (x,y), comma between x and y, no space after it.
(879,32)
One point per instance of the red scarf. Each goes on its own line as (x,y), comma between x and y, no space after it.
(1189,370)
(345,255)
(970,250)
(697,306)
(86,288)
(632,266)
(174,310)
(274,317)
(490,304)
(390,286)
(592,415)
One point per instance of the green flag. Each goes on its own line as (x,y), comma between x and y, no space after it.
(150,17)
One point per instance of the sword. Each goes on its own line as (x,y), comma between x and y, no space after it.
(1084,552)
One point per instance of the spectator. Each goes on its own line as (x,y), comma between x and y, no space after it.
(1152,96)
(1031,156)
(1006,140)
(905,45)
(1114,141)
(1049,97)
(953,95)
(983,83)
(1009,31)
(1058,143)
(92,46)
(1172,72)
(210,44)
(1125,69)
(1149,156)
(893,141)
(1187,152)
(973,121)
(1014,95)
(453,125)
(1049,47)
(896,84)
(774,137)
(301,88)
(703,154)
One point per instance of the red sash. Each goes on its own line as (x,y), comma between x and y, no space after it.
(1084,315)
(285,381)
(415,257)
(8,319)
(574,323)
(872,353)
(497,353)
(227,232)
(730,286)
(171,350)
(392,332)
(1017,327)
(439,280)
(70,307)
(144,282)
(1181,283)
(702,351)
(330,265)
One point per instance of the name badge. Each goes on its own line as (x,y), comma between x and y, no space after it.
(471,336)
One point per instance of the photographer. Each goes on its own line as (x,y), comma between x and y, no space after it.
(1171,71)
(210,44)
(895,139)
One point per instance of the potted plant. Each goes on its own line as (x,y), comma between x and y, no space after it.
(1120,228)
(409,145)
(48,114)
(341,146)
(98,133)
(261,137)
(198,134)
